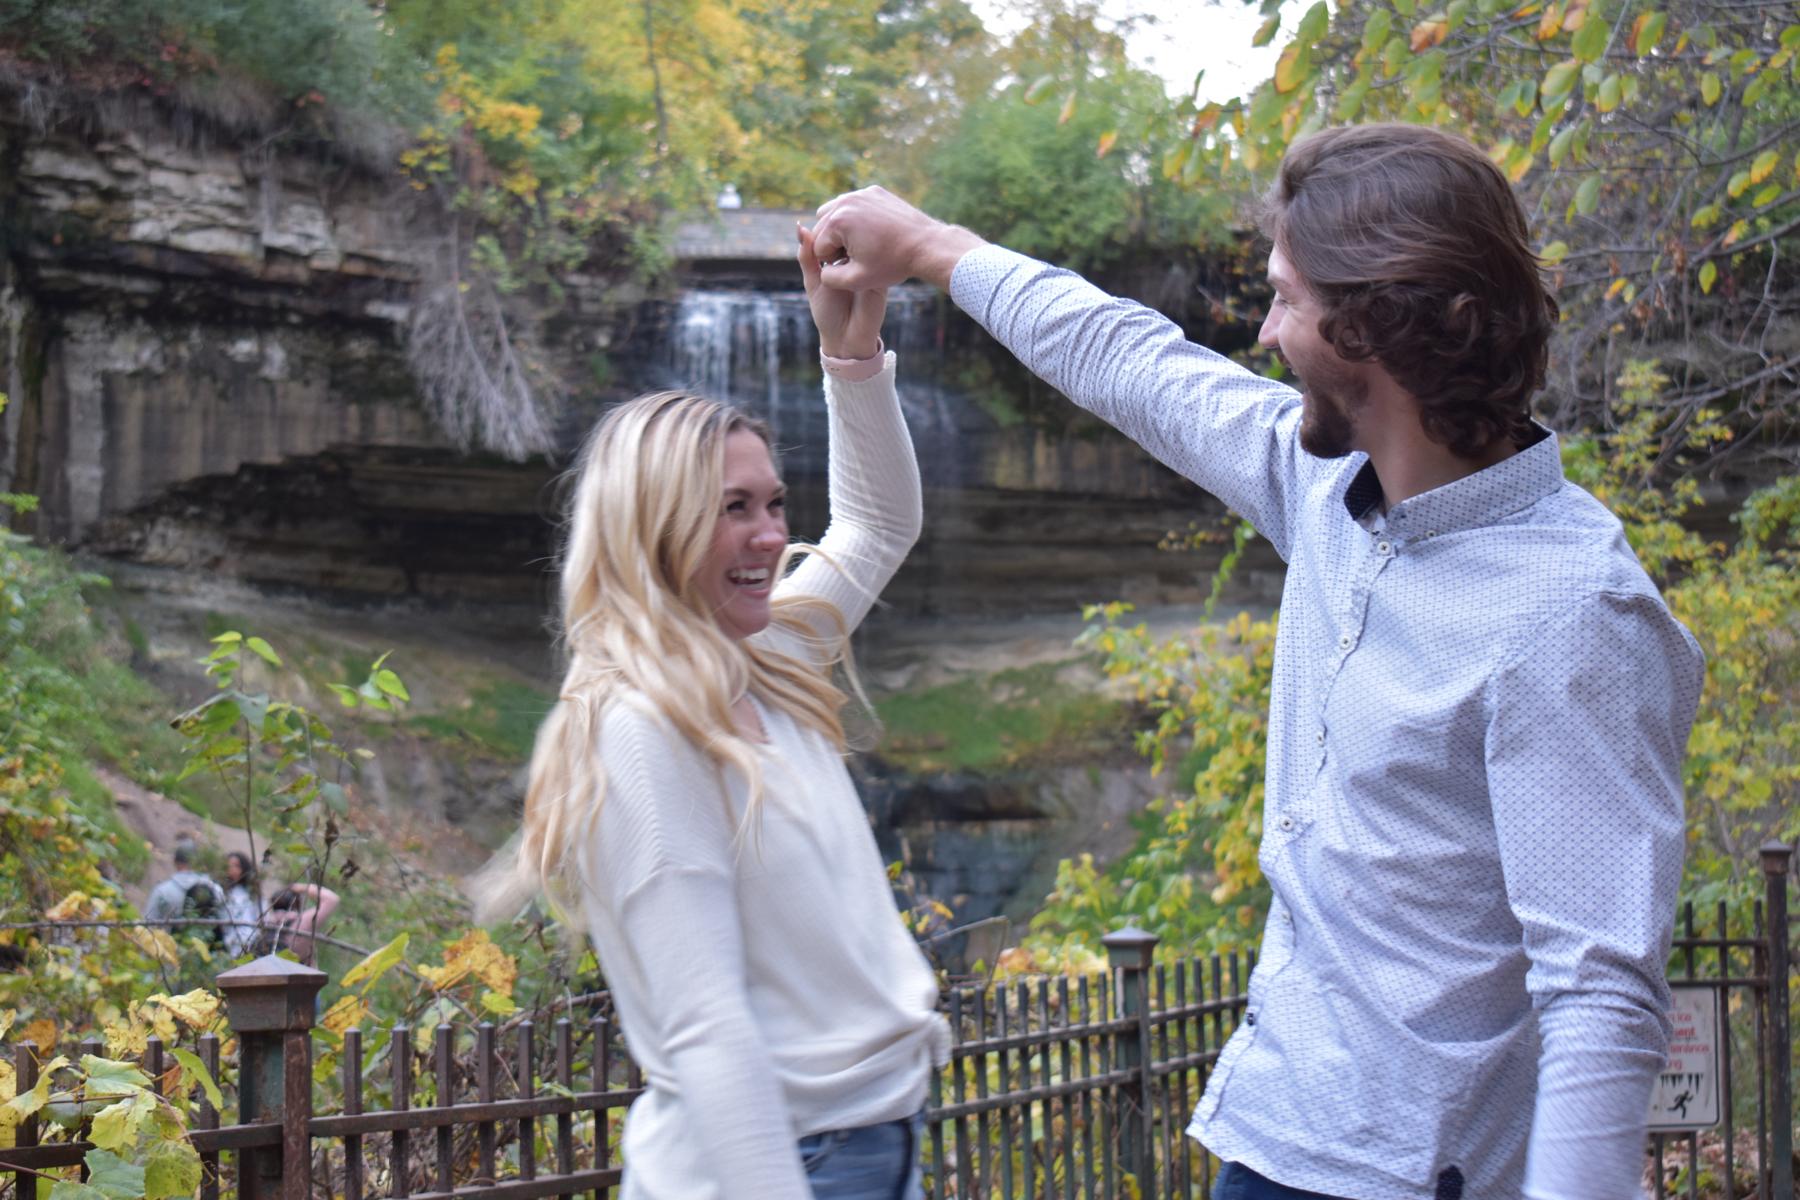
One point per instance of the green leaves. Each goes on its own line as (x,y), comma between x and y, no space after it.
(1709,274)
(1589,42)
(1376,30)
(1554,253)
(113,1177)
(118,1126)
(196,1070)
(1647,31)
(172,1170)
(1587,196)
(1313,24)
(1559,81)
(110,1077)
(1611,91)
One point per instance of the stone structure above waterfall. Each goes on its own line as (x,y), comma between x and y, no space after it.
(744,246)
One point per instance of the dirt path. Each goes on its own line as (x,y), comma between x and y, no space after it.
(161,822)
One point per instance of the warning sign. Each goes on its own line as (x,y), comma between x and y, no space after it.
(1687,1092)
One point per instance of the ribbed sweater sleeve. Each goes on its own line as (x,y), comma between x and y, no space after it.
(876,506)
(662,859)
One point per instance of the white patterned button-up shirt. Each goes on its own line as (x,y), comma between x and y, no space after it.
(1473,816)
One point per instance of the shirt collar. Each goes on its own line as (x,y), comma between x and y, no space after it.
(1484,498)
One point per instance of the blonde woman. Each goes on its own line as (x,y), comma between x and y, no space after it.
(689,803)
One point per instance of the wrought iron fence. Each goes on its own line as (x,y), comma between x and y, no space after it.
(1055,1088)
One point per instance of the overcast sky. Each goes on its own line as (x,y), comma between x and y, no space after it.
(1186,36)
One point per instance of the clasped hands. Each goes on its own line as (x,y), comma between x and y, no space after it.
(863,243)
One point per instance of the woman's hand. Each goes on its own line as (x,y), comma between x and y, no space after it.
(849,322)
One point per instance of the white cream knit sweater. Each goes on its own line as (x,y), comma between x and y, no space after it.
(765,983)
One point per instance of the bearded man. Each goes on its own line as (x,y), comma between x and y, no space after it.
(1472,822)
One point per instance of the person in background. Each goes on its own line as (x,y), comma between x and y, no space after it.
(1472,820)
(188,894)
(689,804)
(289,925)
(243,903)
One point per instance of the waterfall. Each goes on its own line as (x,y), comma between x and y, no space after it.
(758,350)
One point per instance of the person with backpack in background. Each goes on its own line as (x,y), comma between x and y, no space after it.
(190,896)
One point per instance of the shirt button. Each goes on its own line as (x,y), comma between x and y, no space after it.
(1249,1018)
(1321,736)
(1287,822)
(1384,547)
(1344,642)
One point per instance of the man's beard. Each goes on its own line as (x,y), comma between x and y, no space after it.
(1331,395)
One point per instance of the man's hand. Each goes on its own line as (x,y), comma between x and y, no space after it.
(874,239)
(849,321)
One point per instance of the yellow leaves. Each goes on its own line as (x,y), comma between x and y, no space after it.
(40,1033)
(1017,960)
(347,1013)
(1764,165)
(28,1102)
(1067,112)
(127,1039)
(1105,145)
(1733,235)
(76,906)
(198,1008)
(1710,88)
(474,954)
(1554,253)
(155,943)
(1429,32)
(377,963)
(1549,23)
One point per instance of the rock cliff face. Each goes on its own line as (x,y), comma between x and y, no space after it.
(175,308)
(203,342)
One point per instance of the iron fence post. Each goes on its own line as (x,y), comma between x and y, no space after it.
(1777,859)
(269,1005)
(1130,952)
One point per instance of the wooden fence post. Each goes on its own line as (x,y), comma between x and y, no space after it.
(1777,860)
(269,1004)
(1130,952)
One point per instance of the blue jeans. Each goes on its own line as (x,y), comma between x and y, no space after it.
(1238,1182)
(870,1162)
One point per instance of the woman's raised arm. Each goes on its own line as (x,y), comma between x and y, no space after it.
(876,505)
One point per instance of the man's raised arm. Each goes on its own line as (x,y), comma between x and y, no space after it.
(1228,429)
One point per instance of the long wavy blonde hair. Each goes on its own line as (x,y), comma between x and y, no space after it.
(648,485)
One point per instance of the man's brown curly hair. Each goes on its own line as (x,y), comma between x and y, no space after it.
(1419,255)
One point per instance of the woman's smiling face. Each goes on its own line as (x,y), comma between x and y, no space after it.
(738,575)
